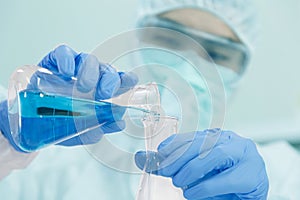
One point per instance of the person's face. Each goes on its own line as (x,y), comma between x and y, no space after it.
(177,40)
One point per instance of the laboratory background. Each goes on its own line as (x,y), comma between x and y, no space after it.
(30,29)
(266,106)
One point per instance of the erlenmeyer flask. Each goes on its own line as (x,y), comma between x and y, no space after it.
(152,187)
(45,108)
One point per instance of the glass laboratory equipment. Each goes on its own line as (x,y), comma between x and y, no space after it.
(152,187)
(46,108)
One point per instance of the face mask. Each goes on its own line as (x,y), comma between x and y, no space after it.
(184,90)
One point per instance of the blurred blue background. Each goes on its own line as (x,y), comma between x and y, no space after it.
(267,104)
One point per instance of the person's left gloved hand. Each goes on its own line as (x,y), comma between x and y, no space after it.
(231,169)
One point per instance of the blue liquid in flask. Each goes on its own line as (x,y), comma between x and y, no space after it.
(47,119)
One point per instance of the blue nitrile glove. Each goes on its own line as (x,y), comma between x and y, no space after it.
(232,169)
(66,63)
(90,72)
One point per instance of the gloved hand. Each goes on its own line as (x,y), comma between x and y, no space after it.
(231,169)
(89,72)
(91,75)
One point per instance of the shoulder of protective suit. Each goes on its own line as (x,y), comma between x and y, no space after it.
(3,93)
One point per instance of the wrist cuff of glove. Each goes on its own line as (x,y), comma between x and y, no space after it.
(4,125)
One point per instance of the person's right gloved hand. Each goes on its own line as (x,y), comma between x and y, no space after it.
(91,75)
(89,72)
(230,169)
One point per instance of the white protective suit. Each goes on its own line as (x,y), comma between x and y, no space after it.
(71,173)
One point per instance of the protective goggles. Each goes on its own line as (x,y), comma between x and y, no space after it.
(222,51)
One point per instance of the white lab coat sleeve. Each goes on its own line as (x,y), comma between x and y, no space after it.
(10,159)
